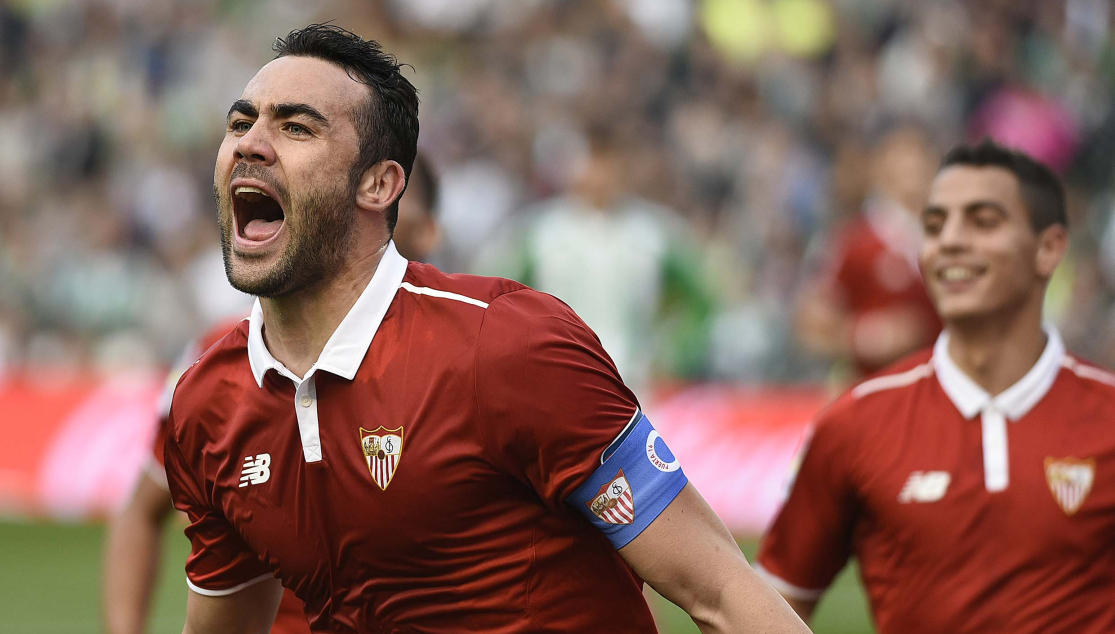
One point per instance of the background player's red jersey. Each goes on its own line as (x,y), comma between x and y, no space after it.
(871,275)
(897,474)
(417,479)
(291,618)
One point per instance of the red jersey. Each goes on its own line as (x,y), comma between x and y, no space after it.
(874,269)
(967,513)
(416,479)
(290,619)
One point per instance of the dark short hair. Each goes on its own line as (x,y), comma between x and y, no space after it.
(387,123)
(1042,191)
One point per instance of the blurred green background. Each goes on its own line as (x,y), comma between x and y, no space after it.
(50,581)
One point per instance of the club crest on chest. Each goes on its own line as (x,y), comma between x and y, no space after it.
(1070,481)
(383,448)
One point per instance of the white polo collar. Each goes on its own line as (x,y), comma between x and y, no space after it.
(348,344)
(1017,400)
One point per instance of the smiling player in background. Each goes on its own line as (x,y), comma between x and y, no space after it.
(975,483)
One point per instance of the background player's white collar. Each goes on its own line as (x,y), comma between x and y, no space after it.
(1016,400)
(346,348)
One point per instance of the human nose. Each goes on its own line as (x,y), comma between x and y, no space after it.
(952,235)
(255,146)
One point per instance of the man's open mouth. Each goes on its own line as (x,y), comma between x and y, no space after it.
(258,216)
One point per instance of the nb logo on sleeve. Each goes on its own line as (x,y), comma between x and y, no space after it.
(925,486)
(256,470)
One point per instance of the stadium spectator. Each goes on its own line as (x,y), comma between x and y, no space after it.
(869,303)
(502,399)
(972,482)
(642,261)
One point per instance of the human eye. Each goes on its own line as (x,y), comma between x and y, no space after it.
(931,224)
(987,219)
(239,126)
(297,129)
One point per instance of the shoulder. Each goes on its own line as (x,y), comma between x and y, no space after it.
(219,332)
(500,298)
(470,290)
(1089,376)
(897,379)
(524,326)
(861,406)
(203,385)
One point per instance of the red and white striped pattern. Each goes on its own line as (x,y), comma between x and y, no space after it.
(615,503)
(382,470)
(624,511)
(1070,481)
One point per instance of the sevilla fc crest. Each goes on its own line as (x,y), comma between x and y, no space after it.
(382,449)
(615,503)
(1070,480)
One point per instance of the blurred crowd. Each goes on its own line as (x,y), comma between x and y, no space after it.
(679,171)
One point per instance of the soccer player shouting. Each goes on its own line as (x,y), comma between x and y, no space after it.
(975,483)
(133,540)
(411,451)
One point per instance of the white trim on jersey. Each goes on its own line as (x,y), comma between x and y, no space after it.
(224,593)
(785,588)
(433,292)
(630,423)
(1088,372)
(892,381)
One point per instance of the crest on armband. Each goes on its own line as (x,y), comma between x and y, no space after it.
(615,503)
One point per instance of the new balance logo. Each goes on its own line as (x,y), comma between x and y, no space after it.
(256,470)
(925,486)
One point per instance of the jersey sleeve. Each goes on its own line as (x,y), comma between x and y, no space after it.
(810,539)
(557,416)
(219,563)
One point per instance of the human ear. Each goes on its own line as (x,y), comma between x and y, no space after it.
(380,186)
(1053,243)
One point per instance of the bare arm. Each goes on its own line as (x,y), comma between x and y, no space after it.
(689,557)
(132,549)
(250,610)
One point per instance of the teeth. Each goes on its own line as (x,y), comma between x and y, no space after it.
(957,274)
(240,191)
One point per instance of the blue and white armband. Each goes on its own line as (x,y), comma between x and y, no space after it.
(637,479)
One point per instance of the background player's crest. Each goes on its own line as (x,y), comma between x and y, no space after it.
(615,503)
(383,448)
(1070,480)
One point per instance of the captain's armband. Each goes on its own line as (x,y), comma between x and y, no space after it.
(637,479)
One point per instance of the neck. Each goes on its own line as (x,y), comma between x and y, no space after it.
(997,352)
(298,325)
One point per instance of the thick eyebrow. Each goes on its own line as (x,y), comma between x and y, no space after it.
(243,106)
(970,208)
(288,110)
(933,210)
(976,205)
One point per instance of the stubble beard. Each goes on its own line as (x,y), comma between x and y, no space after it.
(319,239)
